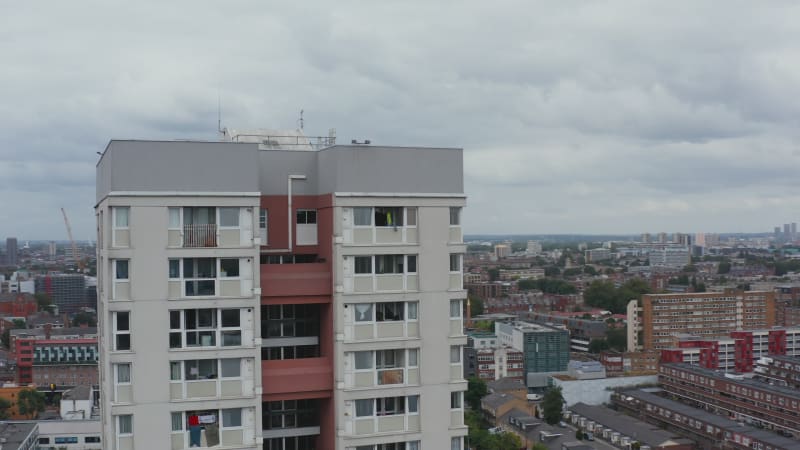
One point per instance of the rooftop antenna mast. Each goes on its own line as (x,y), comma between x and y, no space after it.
(301,119)
(219,115)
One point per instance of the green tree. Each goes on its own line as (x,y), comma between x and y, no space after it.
(505,441)
(579,434)
(84,319)
(475,306)
(30,403)
(598,345)
(572,272)
(6,337)
(539,446)
(476,390)
(617,339)
(552,405)
(494,274)
(601,294)
(725,267)
(5,406)
(43,301)
(552,271)
(589,270)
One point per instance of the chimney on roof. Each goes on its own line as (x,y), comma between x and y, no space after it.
(48,327)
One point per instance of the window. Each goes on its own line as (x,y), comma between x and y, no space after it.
(411,217)
(174,269)
(388,217)
(232,417)
(362,216)
(455,400)
(124,424)
(455,443)
(412,310)
(412,357)
(363,360)
(413,404)
(123,373)
(229,217)
(231,367)
(200,369)
(121,217)
(122,330)
(455,216)
(389,312)
(365,408)
(363,312)
(412,264)
(174,218)
(389,264)
(455,354)
(121,270)
(263,220)
(177,421)
(455,262)
(307,216)
(363,264)
(200,327)
(66,440)
(200,276)
(229,268)
(455,309)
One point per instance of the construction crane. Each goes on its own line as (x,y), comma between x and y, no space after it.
(77,259)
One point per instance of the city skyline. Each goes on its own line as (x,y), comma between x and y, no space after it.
(576,118)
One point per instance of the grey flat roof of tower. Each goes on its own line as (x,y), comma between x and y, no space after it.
(132,166)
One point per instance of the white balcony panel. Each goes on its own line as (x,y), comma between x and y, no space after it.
(124,394)
(231,388)
(364,379)
(306,234)
(232,438)
(456,418)
(412,282)
(125,443)
(201,389)
(363,332)
(175,391)
(413,329)
(122,290)
(455,281)
(413,377)
(362,236)
(391,423)
(363,284)
(366,426)
(456,328)
(414,423)
(174,289)
(229,238)
(122,238)
(390,330)
(174,238)
(230,288)
(456,372)
(412,235)
(455,235)
(389,282)
(389,235)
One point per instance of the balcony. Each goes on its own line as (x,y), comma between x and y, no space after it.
(200,235)
(295,280)
(297,375)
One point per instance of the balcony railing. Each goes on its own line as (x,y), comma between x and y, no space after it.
(200,235)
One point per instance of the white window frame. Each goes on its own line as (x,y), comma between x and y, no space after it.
(263,225)
(184,382)
(217,329)
(371,217)
(460,304)
(373,268)
(117,382)
(460,258)
(226,277)
(116,332)
(238,218)
(457,210)
(118,430)
(457,443)
(170,225)
(459,355)
(216,279)
(406,215)
(218,412)
(116,280)
(115,227)
(305,211)
(459,396)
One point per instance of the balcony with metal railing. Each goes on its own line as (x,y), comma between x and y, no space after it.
(200,235)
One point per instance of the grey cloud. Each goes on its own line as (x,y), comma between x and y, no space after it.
(610,116)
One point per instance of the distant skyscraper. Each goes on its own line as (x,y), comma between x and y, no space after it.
(794,231)
(52,250)
(662,238)
(646,238)
(11,251)
(787,231)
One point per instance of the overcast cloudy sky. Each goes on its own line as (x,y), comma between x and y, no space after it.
(575,116)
